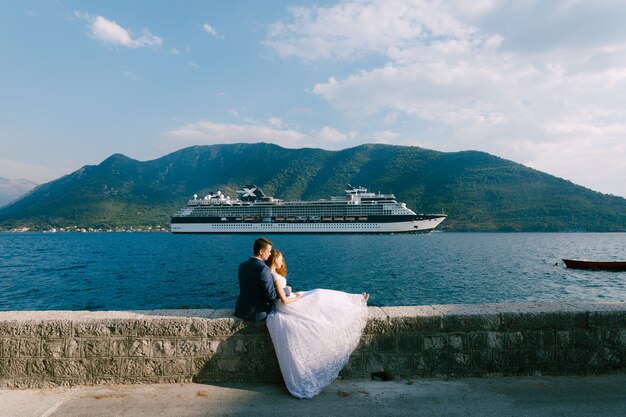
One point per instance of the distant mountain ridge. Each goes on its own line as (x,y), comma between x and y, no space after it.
(478,191)
(11,190)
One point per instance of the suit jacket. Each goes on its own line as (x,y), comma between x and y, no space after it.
(256,290)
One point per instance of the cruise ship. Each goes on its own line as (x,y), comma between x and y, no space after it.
(358,211)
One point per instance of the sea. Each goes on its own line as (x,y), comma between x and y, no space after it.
(138,271)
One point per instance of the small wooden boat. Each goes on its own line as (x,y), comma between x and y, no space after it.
(585,264)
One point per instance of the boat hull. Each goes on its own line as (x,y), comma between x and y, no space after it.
(414,226)
(585,264)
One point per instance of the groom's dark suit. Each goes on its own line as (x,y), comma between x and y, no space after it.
(256,290)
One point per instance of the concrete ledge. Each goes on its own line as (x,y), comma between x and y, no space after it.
(63,348)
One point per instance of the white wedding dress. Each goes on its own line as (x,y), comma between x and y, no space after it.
(314,337)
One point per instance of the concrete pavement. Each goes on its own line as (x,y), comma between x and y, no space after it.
(516,396)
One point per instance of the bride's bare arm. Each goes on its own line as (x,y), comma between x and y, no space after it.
(281,293)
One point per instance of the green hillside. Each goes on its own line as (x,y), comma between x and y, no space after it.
(478,191)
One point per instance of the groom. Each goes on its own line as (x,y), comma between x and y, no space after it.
(256,284)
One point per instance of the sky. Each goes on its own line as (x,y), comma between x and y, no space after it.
(541,83)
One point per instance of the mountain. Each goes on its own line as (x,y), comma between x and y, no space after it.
(11,190)
(478,191)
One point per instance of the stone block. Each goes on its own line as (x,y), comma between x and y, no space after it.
(263,343)
(229,364)
(159,327)
(461,360)
(433,342)
(11,348)
(175,379)
(9,328)
(102,380)
(409,343)
(29,347)
(98,348)
(572,359)
(586,339)
(71,368)
(377,321)
(106,367)
(122,327)
(513,340)
(53,348)
(178,366)
(475,340)
(455,341)
(56,329)
(264,371)
(163,347)
(564,338)
(500,362)
(422,365)
(139,347)
(468,317)
(30,329)
(483,361)
(395,364)
(201,365)
(92,328)
(131,367)
(556,320)
(605,357)
(610,337)
(471,322)
(545,358)
(198,328)
(210,346)
(72,348)
(412,319)
(548,339)
(240,345)
(189,347)
(16,368)
(224,327)
(119,347)
(615,319)
(365,342)
(356,367)
(152,367)
(246,345)
(384,343)
(495,340)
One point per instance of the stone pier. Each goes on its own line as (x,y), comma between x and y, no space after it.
(64,348)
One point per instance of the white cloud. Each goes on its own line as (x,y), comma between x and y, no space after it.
(274,131)
(109,32)
(517,80)
(129,74)
(275,122)
(210,30)
(357,28)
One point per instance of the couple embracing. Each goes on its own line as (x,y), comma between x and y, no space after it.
(313,332)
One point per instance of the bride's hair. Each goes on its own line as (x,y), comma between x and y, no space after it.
(272,260)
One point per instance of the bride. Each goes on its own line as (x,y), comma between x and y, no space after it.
(313,332)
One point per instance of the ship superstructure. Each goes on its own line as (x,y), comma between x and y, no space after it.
(358,211)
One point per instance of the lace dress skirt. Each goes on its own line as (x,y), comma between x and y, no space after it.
(314,337)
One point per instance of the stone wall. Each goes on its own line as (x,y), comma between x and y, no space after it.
(51,348)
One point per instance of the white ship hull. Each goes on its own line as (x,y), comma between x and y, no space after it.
(416,226)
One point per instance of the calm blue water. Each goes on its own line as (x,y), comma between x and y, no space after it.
(125,271)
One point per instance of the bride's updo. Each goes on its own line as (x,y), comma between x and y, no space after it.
(271,261)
